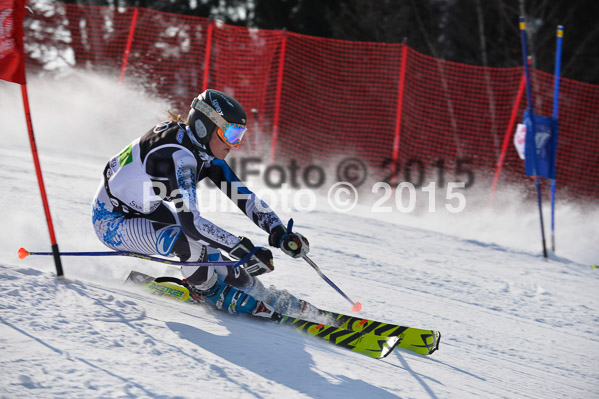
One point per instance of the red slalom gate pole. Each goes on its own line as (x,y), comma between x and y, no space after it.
(129,44)
(506,139)
(40,180)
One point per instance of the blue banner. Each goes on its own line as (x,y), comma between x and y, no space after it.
(541,145)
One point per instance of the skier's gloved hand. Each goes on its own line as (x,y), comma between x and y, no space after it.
(293,244)
(259,263)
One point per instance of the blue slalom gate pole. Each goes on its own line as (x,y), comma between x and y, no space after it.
(558,61)
(530,107)
(525,60)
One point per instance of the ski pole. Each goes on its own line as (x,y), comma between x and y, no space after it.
(356,306)
(23,253)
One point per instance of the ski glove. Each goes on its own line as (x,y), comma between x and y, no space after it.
(293,244)
(259,263)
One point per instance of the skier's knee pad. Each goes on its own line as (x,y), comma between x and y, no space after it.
(203,278)
(192,251)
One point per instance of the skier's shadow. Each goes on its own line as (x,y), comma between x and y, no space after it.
(284,360)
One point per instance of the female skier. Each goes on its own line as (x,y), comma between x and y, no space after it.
(147,203)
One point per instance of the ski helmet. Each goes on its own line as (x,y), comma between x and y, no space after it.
(214,110)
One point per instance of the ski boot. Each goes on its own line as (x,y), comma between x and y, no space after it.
(233,300)
(282,301)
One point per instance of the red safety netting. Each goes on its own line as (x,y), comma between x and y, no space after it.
(338,98)
(407,116)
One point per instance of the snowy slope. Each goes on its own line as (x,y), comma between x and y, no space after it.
(513,324)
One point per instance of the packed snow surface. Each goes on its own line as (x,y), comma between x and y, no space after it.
(514,325)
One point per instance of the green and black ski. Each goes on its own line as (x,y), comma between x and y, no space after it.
(368,337)
(417,340)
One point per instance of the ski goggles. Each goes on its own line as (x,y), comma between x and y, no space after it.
(230,133)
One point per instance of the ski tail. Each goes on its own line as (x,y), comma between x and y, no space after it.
(164,286)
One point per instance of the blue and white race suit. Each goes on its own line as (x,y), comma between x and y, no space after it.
(147,202)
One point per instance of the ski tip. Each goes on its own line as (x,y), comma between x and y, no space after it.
(435,347)
(23,253)
(357,307)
